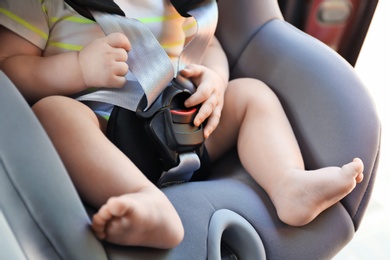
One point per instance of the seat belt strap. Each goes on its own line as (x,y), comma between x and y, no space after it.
(153,71)
(206,16)
(147,61)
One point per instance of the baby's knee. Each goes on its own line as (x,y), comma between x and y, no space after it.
(60,108)
(46,106)
(251,91)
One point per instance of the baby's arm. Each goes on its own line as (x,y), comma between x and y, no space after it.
(100,64)
(211,79)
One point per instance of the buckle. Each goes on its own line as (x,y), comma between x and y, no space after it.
(170,125)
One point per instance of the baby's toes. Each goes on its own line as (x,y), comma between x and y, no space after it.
(98,226)
(359,178)
(117,206)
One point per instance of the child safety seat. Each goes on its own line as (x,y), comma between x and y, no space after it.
(227,215)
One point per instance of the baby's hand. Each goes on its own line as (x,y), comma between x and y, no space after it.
(103,61)
(210,93)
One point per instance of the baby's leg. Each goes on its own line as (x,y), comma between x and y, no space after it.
(132,210)
(254,118)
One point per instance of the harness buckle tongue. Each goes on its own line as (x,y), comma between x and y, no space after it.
(189,163)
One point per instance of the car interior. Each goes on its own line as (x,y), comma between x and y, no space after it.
(340,24)
(227,216)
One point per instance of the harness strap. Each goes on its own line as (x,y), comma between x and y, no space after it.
(109,6)
(82,7)
(206,16)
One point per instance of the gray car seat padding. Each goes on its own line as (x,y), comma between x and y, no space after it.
(9,246)
(38,200)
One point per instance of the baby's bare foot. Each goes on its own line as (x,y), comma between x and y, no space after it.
(145,218)
(307,193)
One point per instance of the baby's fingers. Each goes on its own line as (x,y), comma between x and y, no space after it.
(203,113)
(201,95)
(206,110)
(118,40)
(212,122)
(192,70)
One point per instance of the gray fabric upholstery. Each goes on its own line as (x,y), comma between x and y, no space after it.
(332,115)
(37,198)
